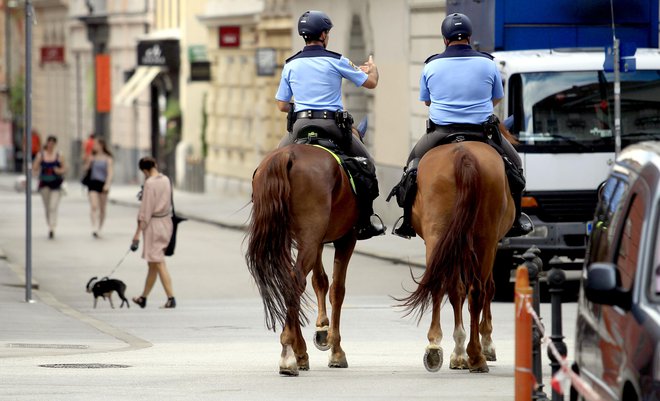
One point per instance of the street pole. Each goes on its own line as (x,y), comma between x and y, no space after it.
(617,99)
(27,135)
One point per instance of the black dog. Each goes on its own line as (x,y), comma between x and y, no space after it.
(104,288)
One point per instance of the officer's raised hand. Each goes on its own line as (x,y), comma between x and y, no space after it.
(369,67)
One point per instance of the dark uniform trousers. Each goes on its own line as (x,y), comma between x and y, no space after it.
(430,140)
(356,148)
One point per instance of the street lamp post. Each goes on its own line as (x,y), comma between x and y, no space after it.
(98,33)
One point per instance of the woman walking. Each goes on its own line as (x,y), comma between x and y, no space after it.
(50,166)
(100,166)
(155,224)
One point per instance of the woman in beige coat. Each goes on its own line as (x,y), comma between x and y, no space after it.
(155,224)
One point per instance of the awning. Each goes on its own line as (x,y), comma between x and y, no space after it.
(136,84)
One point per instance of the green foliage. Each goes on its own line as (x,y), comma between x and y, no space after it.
(173,132)
(205,117)
(17,100)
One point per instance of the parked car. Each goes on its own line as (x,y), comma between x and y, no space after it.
(617,347)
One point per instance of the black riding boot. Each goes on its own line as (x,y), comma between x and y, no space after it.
(522,225)
(369,223)
(405,192)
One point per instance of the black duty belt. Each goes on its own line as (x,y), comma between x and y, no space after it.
(451,128)
(323,114)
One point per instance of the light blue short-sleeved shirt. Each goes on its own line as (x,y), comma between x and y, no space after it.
(461,85)
(313,79)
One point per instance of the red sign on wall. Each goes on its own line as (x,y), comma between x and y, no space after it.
(52,54)
(103,83)
(230,36)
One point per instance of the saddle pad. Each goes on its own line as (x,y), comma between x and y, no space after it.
(342,164)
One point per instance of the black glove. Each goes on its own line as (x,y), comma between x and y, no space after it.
(134,245)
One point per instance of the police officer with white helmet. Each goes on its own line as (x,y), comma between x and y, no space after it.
(461,87)
(313,78)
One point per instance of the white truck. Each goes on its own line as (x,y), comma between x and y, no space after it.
(563,112)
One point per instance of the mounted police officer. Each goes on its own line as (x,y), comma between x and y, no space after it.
(461,87)
(313,78)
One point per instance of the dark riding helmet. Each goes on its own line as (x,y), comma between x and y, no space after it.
(456,26)
(312,23)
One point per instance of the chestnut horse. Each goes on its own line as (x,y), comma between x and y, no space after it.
(302,199)
(462,209)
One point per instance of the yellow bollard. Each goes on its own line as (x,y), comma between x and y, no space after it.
(524,379)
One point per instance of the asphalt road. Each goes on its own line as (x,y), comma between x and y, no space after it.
(214,345)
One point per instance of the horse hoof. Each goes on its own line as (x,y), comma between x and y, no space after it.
(288,372)
(479,369)
(490,356)
(433,359)
(321,340)
(338,363)
(457,363)
(303,363)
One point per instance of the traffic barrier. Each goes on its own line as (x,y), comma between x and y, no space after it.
(527,387)
(524,379)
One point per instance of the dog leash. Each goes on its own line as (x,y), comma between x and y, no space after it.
(120,262)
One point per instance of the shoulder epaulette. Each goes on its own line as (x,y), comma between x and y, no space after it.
(431,58)
(490,56)
(314,53)
(338,55)
(292,57)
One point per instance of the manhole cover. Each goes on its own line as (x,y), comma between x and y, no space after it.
(50,346)
(83,366)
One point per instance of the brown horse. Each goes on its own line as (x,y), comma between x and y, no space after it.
(301,199)
(462,209)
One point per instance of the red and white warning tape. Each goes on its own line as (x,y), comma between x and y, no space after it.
(565,375)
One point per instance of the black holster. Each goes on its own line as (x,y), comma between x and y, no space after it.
(344,121)
(291,116)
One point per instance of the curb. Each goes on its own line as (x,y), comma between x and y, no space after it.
(243,228)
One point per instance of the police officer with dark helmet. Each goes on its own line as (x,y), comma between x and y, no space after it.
(461,87)
(313,78)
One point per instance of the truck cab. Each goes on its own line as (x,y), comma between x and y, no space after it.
(562,106)
(561,103)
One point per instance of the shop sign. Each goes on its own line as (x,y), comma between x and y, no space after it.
(266,61)
(200,71)
(230,36)
(52,54)
(160,53)
(197,53)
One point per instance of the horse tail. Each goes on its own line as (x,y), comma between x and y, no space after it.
(270,241)
(453,262)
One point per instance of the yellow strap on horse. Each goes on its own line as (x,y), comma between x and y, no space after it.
(350,177)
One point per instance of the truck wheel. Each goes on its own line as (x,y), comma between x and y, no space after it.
(504,263)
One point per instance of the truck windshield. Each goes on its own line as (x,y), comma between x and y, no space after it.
(574,111)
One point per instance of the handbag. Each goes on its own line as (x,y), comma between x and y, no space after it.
(87,178)
(169,251)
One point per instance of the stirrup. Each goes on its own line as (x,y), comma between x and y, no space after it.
(371,229)
(405,230)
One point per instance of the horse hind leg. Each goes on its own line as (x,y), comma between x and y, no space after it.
(433,355)
(343,251)
(476,360)
(288,359)
(458,358)
(320,284)
(486,325)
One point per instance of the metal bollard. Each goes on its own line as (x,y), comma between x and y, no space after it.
(556,280)
(534,266)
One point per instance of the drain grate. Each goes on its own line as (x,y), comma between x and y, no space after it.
(84,366)
(50,346)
